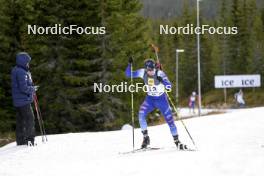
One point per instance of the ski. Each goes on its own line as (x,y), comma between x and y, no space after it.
(141,150)
(188,150)
(154,148)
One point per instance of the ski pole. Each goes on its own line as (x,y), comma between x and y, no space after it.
(178,118)
(156,49)
(132,105)
(40,117)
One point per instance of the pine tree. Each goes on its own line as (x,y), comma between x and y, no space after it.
(235,42)
(117,45)
(188,61)
(67,65)
(254,35)
(257,65)
(210,60)
(67,75)
(6,115)
(223,39)
(13,16)
(247,43)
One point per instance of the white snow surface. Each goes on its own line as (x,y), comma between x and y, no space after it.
(186,112)
(230,144)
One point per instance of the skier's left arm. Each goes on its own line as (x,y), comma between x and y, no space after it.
(164,79)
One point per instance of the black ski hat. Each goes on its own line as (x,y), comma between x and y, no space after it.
(149,64)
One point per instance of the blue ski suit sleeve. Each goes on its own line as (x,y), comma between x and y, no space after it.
(135,74)
(165,79)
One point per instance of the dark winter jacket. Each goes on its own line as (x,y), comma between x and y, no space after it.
(22,85)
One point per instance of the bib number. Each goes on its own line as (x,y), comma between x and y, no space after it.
(151,82)
(154,90)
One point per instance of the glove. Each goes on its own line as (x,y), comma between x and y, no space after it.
(158,66)
(159,79)
(130,60)
(36,88)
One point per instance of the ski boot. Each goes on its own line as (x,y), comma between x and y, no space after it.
(146,140)
(179,145)
(31,142)
(21,142)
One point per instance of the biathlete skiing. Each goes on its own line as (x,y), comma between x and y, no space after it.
(157,83)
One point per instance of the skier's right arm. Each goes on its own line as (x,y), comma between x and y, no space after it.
(135,74)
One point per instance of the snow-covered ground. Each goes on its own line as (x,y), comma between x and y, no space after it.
(186,112)
(230,144)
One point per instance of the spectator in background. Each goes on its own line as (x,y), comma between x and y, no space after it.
(239,99)
(192,100)
(23,91)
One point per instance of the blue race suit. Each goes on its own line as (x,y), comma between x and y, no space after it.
(156,97)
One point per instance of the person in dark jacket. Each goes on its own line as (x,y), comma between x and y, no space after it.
(23,91)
